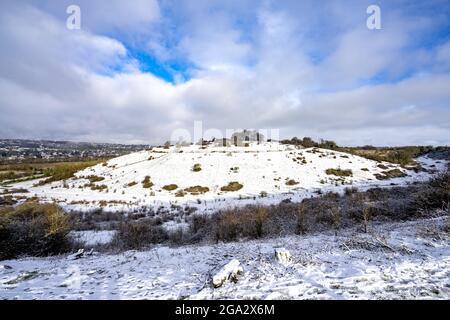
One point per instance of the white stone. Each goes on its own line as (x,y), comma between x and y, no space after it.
(230,271)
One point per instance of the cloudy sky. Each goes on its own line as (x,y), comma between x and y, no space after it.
(138,70)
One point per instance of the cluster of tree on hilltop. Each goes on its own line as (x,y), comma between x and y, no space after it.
(308,142)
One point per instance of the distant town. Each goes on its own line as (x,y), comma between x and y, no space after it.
(17,150)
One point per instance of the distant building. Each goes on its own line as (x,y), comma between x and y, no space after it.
(241,139)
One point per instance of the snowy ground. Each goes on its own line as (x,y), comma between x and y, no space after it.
(262,169)
(93,237)
(395,261)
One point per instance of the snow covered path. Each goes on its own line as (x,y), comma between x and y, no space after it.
(394,261)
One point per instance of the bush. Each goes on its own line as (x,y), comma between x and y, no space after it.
(197,167)
(390,174)
(95,187)
(146,183)
(246,223)
(350,190)
(170,187)
(435,194)
(135,235)
(197,190)
(339,172)
(93,178)
(291,182)
(232,186)
(180,194)
(33,229)
(301,225)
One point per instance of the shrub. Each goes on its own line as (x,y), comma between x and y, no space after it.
(335,213)
(33,229)
(197,190)
(146,183)
(291,182)
(435,194)
(180,193)
(96,187)
(93,178)
(390,174)
(339,172)
(197,167)
(170,187)
(350,190)
(139,234)
(247,223)
(232,186)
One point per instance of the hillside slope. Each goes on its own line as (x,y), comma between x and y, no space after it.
(211,177)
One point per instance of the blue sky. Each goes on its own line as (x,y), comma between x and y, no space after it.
(139,71)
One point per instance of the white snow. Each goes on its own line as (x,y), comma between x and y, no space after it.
(407,260)
(282,255)
(230,271)
(262,169)
(93,237)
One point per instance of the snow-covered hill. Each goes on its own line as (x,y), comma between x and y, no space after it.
(211,177)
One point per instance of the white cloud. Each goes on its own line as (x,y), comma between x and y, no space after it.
(56,83)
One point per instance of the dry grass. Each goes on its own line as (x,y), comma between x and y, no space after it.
(64,171)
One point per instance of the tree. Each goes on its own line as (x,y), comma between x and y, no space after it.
(307,142)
